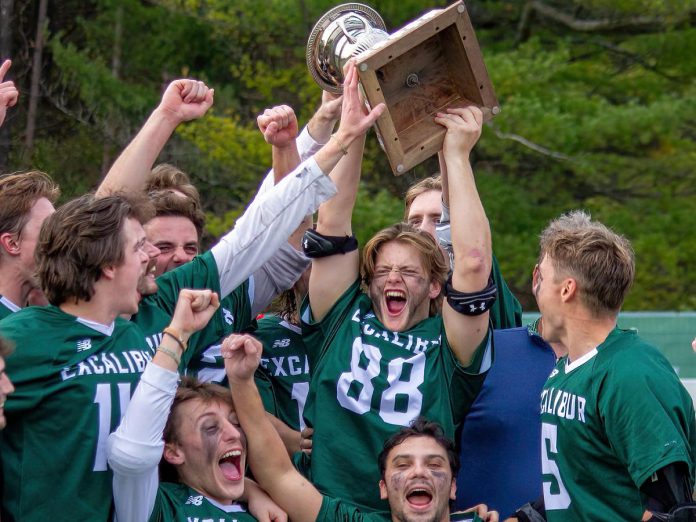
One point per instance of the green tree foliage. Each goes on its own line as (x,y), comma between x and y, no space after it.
(596,96)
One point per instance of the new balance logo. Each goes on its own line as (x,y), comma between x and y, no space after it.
(84,345)
(554,372)
(196,501)
(227,315)
(281,343)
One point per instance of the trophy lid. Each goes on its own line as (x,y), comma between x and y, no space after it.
(342,33)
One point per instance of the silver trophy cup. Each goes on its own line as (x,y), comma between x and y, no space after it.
(341,34)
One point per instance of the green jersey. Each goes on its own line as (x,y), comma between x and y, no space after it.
(506,311)
(367,383)
(72,385)
(155,311)
(7,307)
(284,363)
(609,421)
(335,510)
(180,503)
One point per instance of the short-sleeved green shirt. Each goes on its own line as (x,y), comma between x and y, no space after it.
(5,310)
(367,383)
(506,311)
(72,385)
(609,421)
(285,365)
(155,311)
(180,503)
(335,510)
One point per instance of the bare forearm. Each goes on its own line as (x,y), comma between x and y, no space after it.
(335,215)
(290,437)
(471,238)
(130,170)
(285,160)
(267,454)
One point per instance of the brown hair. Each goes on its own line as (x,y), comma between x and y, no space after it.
(431,255)
(168,177)
(18,193)
(79,239)
(420,427)
(600,260)
(423,186)
(189,389)
(168,203)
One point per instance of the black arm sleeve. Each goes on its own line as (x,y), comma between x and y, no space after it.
(532,511)
(668,489)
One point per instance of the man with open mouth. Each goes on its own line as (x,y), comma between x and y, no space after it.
(384,357)
(417,465)
(190,429)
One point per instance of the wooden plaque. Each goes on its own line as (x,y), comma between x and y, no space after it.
(427,66)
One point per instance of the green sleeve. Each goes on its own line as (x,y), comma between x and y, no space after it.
(647,413)
(318,334)
(507,310)
(200,273)
(30,367)
(336,510)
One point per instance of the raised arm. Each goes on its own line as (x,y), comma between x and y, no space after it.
(183,100)
(279,128)
(332,275)
(322,123)
(266,453)
(135,448)
(272,217)
(471,237)
(8,92)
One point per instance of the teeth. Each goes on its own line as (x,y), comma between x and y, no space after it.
(394,293)
(233,453)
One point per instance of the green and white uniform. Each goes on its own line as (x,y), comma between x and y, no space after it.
(7,307)
(155,311)
(285,365)
(368,382)
(336,510)
(73,383)
(180,503)
(610,420)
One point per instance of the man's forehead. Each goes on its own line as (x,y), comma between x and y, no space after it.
(428,202)
(398,253)
(418,446)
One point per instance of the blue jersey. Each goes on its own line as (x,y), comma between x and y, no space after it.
(501,437)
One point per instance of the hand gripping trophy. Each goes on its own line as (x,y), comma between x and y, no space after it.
(429,65)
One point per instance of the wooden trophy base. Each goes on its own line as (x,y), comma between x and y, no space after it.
(429,65)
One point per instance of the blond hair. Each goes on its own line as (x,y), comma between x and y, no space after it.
(600,260)
(423,186)
(431,256)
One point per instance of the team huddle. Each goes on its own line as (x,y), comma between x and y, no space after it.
(290,373)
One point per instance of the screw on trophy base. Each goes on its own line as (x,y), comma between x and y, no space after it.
(432,64)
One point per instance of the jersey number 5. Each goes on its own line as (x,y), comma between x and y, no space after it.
(404,376)
(560,500)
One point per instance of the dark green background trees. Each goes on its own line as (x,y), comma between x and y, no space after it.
(597,98)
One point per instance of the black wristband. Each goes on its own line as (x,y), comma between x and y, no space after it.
(316,245)
(473,303)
